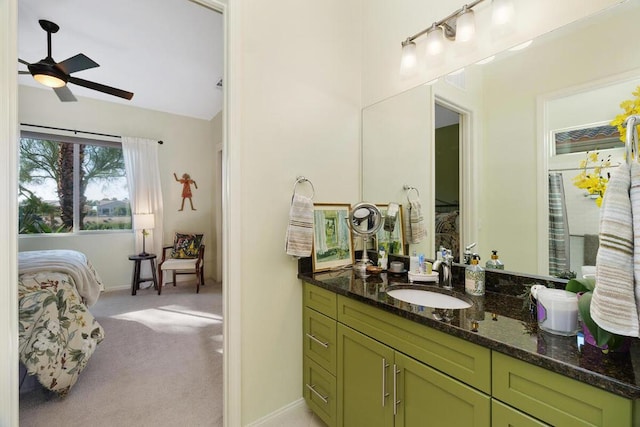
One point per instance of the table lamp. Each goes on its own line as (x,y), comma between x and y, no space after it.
(144,222)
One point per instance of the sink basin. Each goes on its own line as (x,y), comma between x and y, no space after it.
(428,298)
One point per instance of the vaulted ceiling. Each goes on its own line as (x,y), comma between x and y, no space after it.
(169,53)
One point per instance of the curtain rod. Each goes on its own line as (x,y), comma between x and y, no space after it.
(77,131)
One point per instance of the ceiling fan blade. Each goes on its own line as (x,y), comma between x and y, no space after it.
(23,72)
(64,93)
(77,63)
(101,88)
(22,61)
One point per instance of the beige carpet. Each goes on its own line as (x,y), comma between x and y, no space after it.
(160,364)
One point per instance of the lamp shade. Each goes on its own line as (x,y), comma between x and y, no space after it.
(435,40)
(502,12)
(409,60)
(465,25)
(144,221)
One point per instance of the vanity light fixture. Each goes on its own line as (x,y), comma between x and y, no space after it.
(409,58)
(502,12)
(435,40)
(459,26)
(465,25)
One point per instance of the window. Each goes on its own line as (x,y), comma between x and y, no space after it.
(579,139)
(70,184)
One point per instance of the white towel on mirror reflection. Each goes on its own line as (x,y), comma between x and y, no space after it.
(635,213)
(299,239)
(613,306)
(416,222)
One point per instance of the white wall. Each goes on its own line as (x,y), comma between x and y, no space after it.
(189,146)
(300,85)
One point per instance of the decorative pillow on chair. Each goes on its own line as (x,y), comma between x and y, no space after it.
(186,245)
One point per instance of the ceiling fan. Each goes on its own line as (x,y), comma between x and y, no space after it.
(56,75)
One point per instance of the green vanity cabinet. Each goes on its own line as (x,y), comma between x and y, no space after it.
(505,416)
(365,380)
(556,399)
(378,386)
(319,352)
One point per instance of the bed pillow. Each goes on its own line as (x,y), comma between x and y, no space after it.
(186,245)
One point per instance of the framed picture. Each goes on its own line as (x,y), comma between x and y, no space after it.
(392,242)
(332,243)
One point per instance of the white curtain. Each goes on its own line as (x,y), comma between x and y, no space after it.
(145,193)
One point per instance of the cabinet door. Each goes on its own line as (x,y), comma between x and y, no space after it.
(426,397)
(364,380)
(320,339)
(505,416)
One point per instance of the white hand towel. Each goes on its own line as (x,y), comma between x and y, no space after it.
(635,212)
(613,306)
(416,222)
(299,238)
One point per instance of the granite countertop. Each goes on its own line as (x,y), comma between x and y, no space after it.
(501,321)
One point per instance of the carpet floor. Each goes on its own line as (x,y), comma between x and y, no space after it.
(160,364)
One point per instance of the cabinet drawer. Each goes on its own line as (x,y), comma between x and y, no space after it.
(320,339)
(465,361)
(554,398)
(319,391)
(320,299)
(505,416)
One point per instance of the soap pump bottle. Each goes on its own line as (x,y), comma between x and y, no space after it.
(474,277)
(495,262)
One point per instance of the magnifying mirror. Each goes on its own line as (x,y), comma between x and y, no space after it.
(365,219)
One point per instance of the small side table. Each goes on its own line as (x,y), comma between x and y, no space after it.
(137,264)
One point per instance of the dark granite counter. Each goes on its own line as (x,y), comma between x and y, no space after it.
(501,321)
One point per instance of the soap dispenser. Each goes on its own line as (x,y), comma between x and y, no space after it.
(495,262)
(474,277)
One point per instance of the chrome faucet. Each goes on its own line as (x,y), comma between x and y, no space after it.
(443,266)
(467,253)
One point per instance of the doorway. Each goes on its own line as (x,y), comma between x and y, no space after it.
(447,179)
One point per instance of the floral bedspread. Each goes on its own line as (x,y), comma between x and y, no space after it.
(57,332)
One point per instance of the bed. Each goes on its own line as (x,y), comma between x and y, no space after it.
(57,333)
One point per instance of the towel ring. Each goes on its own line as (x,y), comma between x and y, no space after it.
(409,189)
(631,146)
(303,179)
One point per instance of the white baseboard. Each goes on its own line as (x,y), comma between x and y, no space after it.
(296,409)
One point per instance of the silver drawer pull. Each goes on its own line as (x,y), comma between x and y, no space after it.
(325,399)
(324,344)
(396,402)
(385,365)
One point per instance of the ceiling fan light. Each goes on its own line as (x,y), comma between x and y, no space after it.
(465,25)
(49,80)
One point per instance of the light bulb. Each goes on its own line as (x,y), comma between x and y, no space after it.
(465,25)
(50,81)
(409,59)
(435,40)
(502,12)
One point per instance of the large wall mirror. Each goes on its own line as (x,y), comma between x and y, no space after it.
(511,110)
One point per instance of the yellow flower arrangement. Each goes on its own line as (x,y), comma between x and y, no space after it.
(630,107)
(595,183)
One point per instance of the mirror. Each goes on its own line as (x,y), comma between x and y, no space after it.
(365,219)
(509,109)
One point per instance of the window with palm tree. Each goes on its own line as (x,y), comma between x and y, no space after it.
(69,185)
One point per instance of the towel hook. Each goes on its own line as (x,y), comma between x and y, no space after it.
(631,146)
(409,188)
(303,179)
